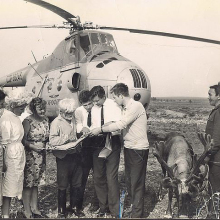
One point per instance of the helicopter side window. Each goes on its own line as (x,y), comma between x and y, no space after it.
(105,43)
(104,39)
(111,43)
(72,47)
(71,52)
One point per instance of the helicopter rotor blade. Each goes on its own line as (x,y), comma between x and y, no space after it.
(35,26)
(59,11)
(164,34)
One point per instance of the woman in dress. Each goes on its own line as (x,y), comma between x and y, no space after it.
(36,133)
(14,157)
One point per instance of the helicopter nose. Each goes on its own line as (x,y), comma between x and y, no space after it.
(138,84)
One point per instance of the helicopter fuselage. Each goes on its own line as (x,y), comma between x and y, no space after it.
(84,59)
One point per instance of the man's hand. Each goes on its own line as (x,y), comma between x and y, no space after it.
(85,131)
(95,132)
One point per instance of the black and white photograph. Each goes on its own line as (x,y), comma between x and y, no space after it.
(110,109)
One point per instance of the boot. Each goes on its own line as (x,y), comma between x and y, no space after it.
(75,201)
(61,203)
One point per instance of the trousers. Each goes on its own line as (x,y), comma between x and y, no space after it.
(87,165)
(1,170)
(69,171)
(106,177)
(135,174)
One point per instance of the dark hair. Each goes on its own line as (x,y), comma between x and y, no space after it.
(216,88)
(97,91)
(2,94)
(37,102)
(84,96)
(120,89)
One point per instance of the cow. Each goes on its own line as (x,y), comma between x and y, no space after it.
(185,173)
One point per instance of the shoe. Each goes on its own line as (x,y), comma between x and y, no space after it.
(78,212)
(108,211)
(60,215)
(101,214)
(93,208)
(39,215)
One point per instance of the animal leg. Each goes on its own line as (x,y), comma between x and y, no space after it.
(159,194)
(169,208)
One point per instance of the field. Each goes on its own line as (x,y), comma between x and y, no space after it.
(184,115)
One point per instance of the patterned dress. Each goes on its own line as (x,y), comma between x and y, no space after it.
(35,162)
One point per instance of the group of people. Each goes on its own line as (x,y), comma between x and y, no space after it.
(100,121)
(106,125)
(22,152)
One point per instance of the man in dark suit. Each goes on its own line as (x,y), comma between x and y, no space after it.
(83,123)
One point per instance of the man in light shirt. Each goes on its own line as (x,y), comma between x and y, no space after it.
(69,167)
(136,146)
(106,169)
(83,124)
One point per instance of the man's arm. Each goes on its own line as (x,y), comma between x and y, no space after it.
(126,119)
(216,133)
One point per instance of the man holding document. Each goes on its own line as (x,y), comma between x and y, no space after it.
(136,147)
(106,163)
(69,167)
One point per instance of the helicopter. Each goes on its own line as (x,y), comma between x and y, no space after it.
(86,58)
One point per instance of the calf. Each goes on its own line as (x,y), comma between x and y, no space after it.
(185,172)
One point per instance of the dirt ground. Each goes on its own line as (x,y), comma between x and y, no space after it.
(185,116)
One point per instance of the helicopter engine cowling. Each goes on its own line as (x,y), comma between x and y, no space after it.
(138,84)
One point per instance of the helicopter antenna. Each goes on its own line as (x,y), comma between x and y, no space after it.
(34,56)
(35,71)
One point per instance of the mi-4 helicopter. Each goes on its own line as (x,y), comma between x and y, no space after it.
(85,58)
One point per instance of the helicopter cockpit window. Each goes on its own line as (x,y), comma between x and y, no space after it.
(108,42)
(85,44)
(96,44)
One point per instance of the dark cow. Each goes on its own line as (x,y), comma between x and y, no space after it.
(185,173)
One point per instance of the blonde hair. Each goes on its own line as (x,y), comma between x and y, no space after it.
(67,105)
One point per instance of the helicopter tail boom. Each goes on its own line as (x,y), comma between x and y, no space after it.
(15,79)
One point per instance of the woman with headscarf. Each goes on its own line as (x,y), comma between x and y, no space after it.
(36,134)
(12,133)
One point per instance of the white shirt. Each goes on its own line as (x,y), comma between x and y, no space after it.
(81,116)
(134,125)
(112,113)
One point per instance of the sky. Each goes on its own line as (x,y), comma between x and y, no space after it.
(175,67)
